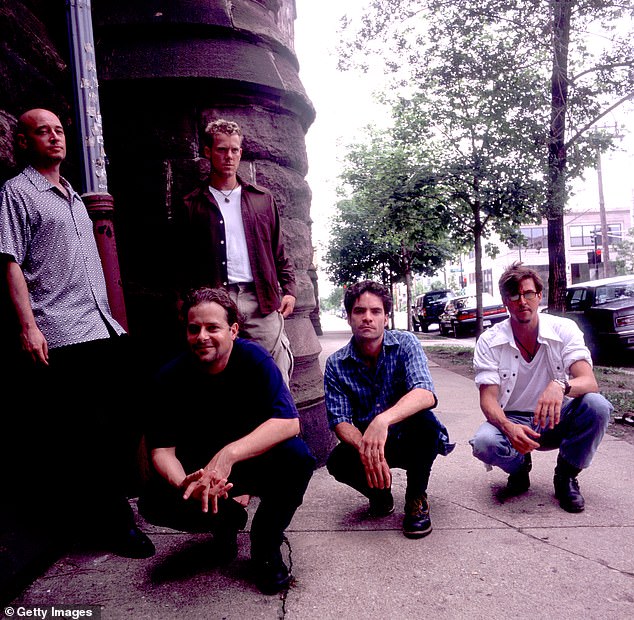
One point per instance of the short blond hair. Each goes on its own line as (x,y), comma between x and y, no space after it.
(221,126)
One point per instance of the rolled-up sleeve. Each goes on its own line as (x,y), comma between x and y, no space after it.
(574,348)
(417,368)
(485,364)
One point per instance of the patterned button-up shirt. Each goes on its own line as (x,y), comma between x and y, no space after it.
(357,394)
(51,238)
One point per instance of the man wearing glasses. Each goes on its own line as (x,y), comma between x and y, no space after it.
(537,392)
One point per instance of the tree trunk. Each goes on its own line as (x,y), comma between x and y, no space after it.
(556,194)
(477,237)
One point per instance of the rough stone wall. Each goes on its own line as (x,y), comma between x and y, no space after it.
(33,71)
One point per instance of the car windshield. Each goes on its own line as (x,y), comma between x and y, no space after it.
(612,292)
(433,298)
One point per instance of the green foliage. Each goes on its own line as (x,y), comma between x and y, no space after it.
(334,300)
(389,225)
(625,261)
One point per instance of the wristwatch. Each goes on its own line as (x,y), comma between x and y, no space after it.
(565,386)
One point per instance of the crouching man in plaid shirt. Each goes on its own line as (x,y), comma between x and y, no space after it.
(379,399)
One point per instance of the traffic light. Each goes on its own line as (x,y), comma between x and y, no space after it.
(594,257)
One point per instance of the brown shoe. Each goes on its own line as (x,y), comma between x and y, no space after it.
(417,522)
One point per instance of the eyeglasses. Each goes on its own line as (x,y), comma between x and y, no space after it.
(527,295)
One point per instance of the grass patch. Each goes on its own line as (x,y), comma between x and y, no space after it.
(460,356)
(617,385)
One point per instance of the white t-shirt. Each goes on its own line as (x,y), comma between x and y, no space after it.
(238,265)
(532,379)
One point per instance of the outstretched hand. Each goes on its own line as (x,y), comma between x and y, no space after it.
(203,485)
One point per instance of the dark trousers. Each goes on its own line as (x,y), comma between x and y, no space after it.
(412,445)
(74,439)
(278,477)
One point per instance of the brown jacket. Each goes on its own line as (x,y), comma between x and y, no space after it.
(202,259)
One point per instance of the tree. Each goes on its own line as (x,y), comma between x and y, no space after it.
(479,148)
(334,301)
(352,254)
(389,226)
(572,85)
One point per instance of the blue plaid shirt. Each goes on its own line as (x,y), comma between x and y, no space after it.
(357,394)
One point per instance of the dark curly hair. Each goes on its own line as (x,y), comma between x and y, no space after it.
(204,295)
(367,286)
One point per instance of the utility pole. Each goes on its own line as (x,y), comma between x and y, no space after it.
(612,132)
(99,202)
(604,224)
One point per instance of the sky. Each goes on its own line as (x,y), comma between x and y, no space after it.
(344,106)
(343,102)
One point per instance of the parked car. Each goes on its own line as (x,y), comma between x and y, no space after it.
(604,309)
(428,307)
(459,315)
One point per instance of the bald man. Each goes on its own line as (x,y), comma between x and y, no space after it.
(70,439)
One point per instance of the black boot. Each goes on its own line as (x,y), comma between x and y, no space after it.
(519,482)
(567,487)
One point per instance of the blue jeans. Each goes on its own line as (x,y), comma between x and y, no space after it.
(582,425)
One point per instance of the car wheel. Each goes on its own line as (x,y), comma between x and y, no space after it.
(424,327)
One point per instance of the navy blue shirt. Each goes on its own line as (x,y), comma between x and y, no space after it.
(199,413)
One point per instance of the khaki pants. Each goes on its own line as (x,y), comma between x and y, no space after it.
(267,330)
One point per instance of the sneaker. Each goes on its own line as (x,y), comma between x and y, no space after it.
(381,503)
(568,494)
(519,482)
(417,522)
(271,574)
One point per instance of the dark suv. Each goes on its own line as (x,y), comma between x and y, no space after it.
(428,308)
(604,309)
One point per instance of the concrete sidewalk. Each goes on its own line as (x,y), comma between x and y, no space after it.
(523,558)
